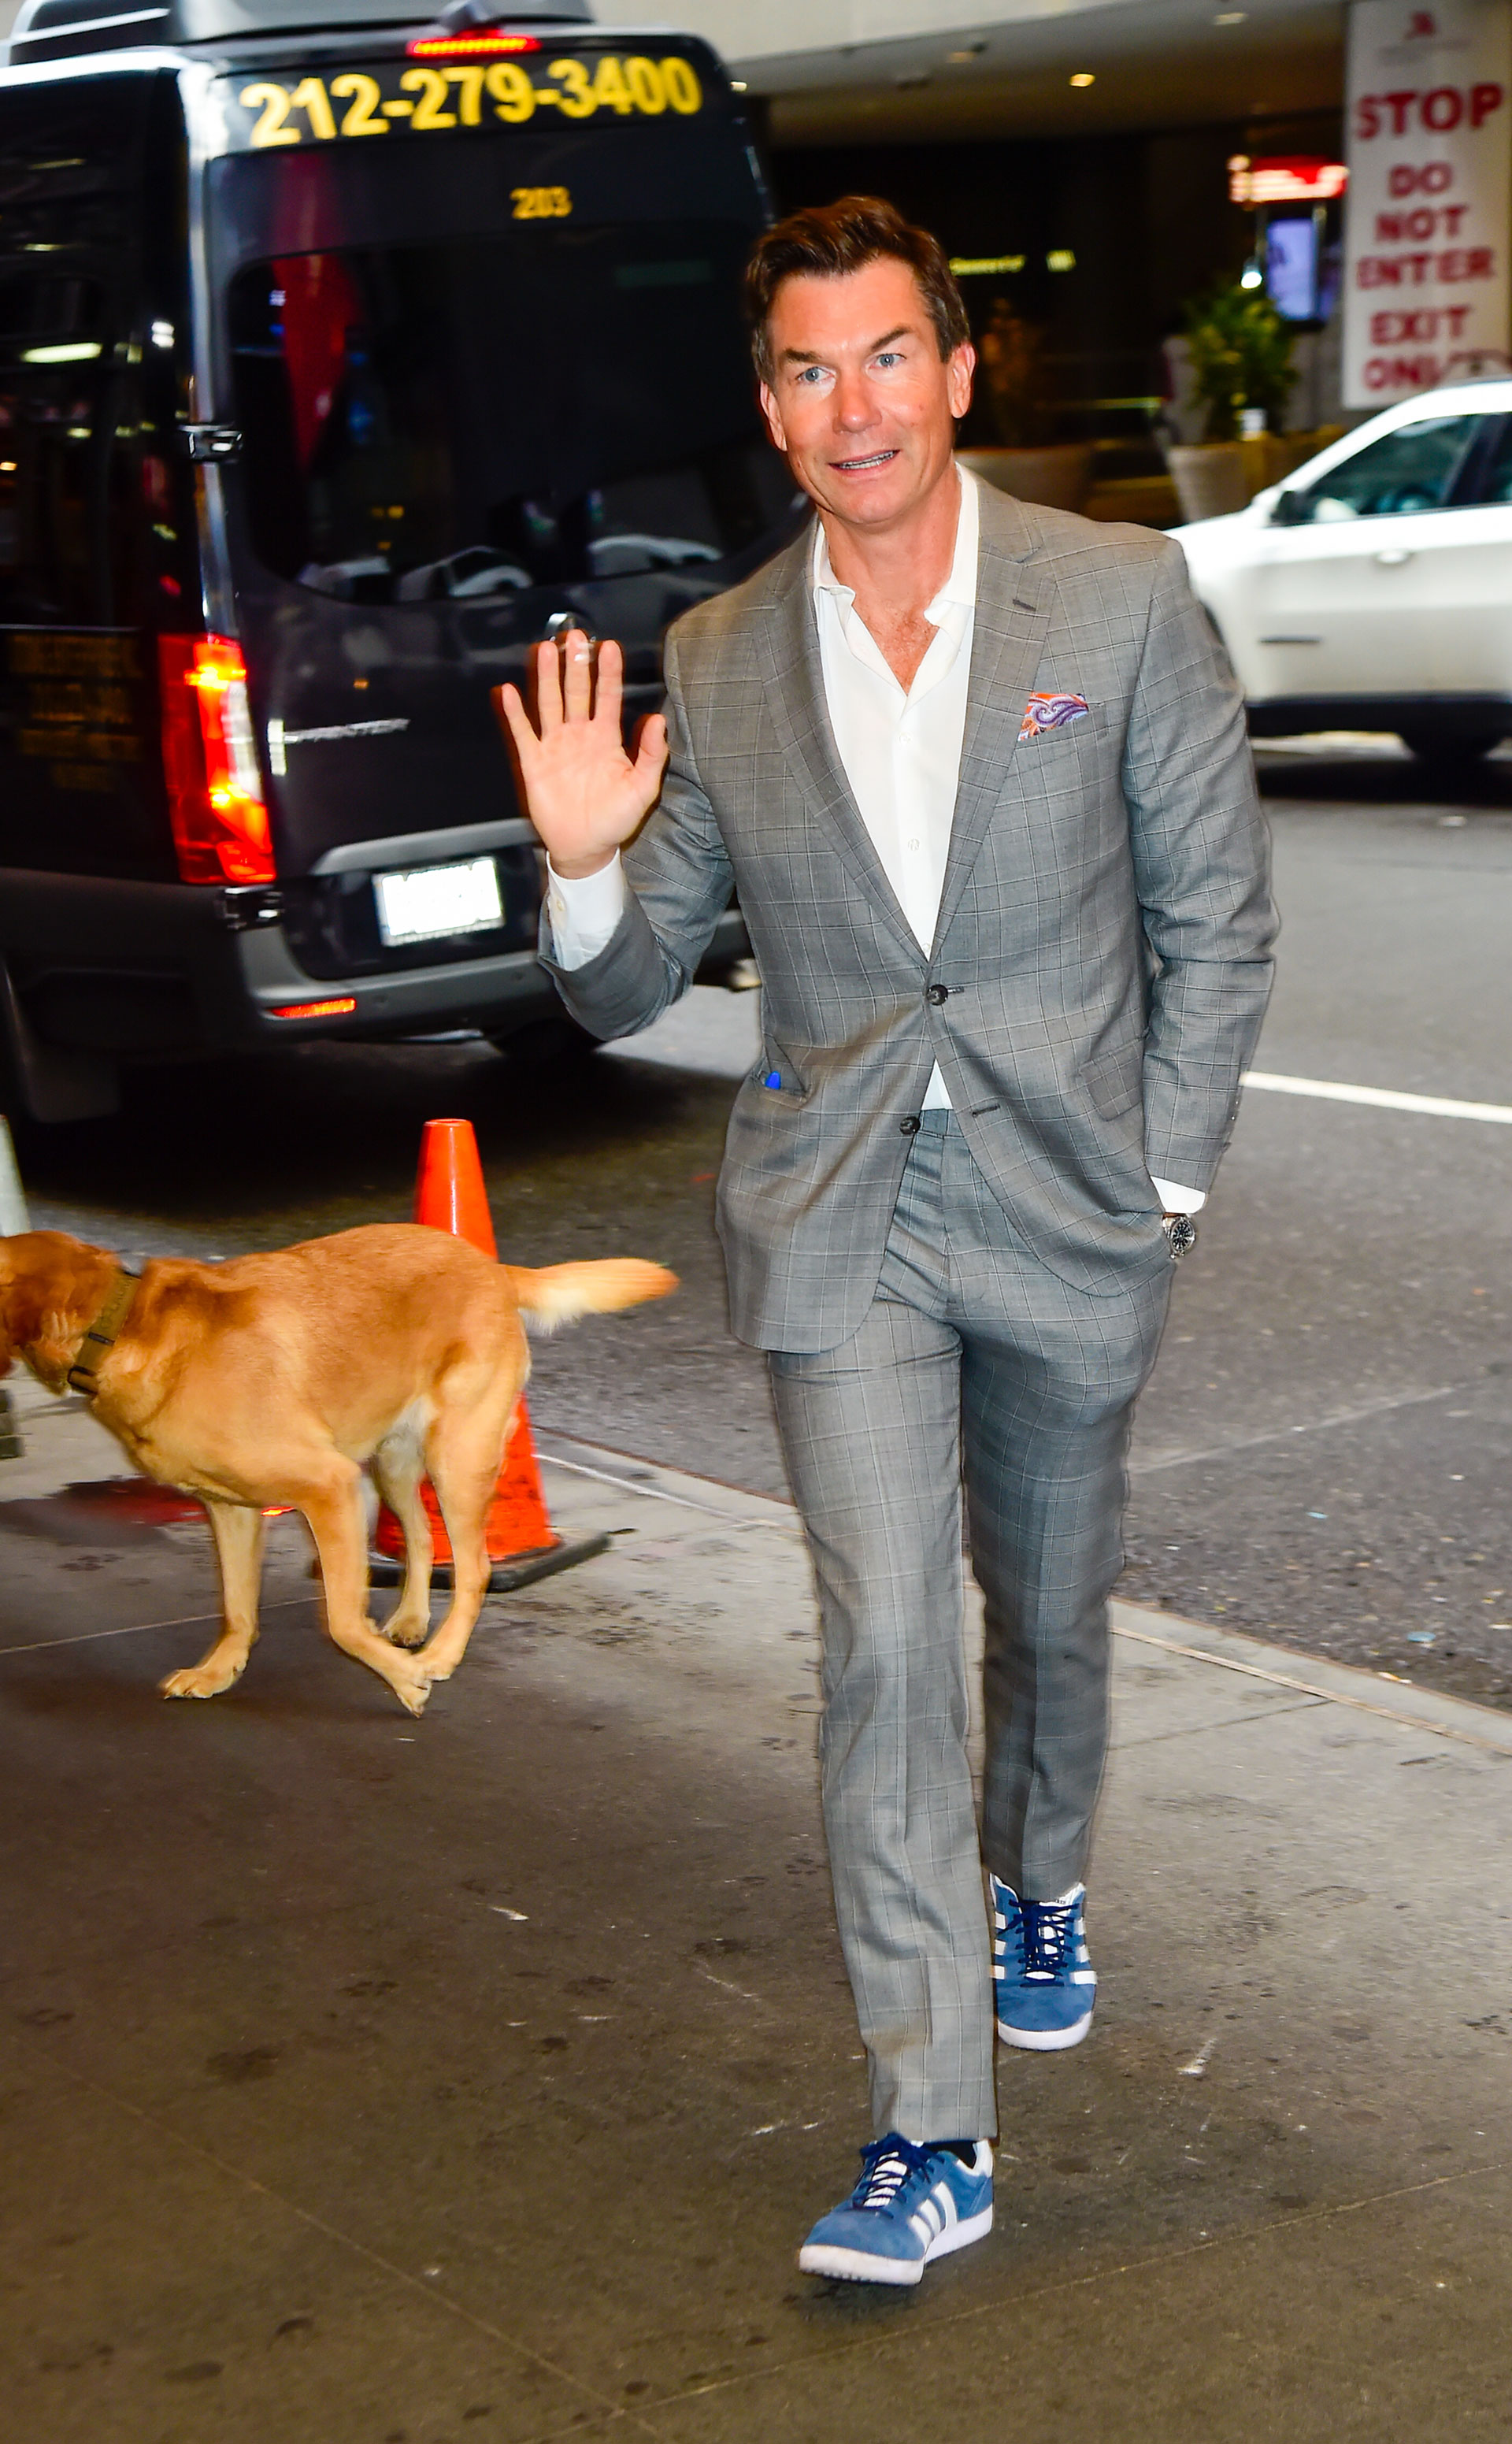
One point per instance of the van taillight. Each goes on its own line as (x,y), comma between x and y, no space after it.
(215,790)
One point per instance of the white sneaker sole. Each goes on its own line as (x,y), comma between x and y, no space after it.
(1044,2041)
(860,2266)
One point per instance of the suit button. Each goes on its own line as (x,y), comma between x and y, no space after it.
(911,1127)
(936,993)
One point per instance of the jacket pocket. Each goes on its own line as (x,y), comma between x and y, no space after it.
(1114,1082)
(1094,723)
(791,1088)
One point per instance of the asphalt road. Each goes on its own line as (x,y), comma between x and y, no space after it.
(1324,1456)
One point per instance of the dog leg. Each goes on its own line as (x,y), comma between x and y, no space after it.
(397,1467)
(334,1510)
(239,1549)
(464,1449)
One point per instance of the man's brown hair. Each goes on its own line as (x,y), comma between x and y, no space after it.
(828,240)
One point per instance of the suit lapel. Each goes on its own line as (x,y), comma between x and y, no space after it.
(795,696)
(1007,641)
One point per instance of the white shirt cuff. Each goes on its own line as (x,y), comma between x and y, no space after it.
(584,912)
(1177,1199)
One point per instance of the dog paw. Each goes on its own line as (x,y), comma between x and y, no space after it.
(199,1681)
(411,1692)
(403,1633)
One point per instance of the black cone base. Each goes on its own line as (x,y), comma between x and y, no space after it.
(520,1571)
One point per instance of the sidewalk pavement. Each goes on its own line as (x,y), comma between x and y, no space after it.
(485,2090)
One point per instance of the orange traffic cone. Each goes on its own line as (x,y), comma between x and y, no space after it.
(522,1545)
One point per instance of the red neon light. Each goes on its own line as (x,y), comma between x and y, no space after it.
(462,46)
(339,1008)
(1287,179)
(215,790)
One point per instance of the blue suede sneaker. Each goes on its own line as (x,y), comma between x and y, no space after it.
(911,2204)
(1044,1983)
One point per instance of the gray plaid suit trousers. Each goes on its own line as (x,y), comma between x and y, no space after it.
(975,1363)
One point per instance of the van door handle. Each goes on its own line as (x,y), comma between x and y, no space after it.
(1394,559)
(211,444)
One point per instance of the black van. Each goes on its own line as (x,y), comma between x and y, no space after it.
(340,360)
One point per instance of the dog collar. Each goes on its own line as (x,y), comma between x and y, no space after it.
(106,1328)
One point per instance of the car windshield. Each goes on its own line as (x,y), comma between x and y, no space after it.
(1415,468)
(474,418)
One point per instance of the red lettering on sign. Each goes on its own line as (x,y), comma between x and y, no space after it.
(1444,107)
(1408,178)
(1415,270)
(1394,228)
(1395,326)
(1403,373)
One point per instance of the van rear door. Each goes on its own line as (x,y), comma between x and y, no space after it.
(487,378)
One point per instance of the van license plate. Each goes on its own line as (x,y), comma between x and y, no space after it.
(431,900)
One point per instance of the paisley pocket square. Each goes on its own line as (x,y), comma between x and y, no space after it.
(1044,711)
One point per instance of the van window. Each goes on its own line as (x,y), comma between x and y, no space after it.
(69,185)
(493,413)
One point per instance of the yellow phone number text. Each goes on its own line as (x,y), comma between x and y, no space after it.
(468,95)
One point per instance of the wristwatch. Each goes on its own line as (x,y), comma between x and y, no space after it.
(1180,1233)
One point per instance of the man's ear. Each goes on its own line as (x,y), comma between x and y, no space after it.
(959,367)
(773,416)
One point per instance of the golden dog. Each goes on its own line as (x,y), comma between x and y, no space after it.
(273,1380)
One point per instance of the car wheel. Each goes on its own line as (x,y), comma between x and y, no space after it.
(1450,750)
(544,1046)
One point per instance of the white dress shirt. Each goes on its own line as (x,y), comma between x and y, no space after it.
(900,747)
(900,750)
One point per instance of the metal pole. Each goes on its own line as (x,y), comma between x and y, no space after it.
(13,1216)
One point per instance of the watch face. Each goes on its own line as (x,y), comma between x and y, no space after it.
(1180,1233)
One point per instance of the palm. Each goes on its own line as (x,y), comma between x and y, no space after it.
(586,796)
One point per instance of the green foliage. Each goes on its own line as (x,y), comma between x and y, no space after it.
(1241,356)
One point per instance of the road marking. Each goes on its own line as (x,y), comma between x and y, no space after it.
(140,1628)
(655,1493)
(1281,1434)
(1443,1107)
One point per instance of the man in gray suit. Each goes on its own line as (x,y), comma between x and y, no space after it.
(979,774)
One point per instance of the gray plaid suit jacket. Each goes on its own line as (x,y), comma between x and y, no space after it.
(1104,932)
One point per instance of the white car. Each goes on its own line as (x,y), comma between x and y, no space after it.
(1372,589)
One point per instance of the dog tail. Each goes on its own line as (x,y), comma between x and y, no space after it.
(560,1293)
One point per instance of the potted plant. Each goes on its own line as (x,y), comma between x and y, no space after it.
(1240,353)
(1028,462)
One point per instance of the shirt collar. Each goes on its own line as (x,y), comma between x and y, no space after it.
(959,587)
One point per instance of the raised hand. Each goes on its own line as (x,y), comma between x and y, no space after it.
(584,795)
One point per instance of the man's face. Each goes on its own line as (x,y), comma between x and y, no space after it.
(861,399)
